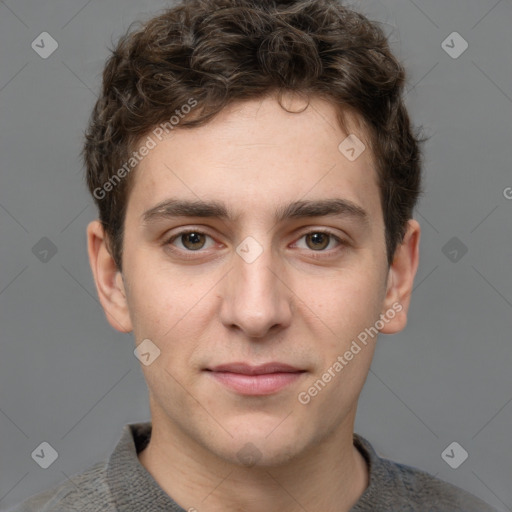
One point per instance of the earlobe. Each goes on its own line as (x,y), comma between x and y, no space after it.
(400,280)
(108,279)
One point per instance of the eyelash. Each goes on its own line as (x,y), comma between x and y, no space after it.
(315,254)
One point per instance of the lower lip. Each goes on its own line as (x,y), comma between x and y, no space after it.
(264,384)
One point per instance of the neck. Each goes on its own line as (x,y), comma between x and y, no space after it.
(330,476)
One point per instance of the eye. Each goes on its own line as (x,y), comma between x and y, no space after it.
(194,240)
(191,240)
(319,240)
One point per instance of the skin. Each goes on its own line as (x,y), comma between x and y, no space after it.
(285,306)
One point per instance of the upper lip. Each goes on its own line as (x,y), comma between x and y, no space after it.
(247,369)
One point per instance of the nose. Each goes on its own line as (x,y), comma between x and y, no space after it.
(255,296)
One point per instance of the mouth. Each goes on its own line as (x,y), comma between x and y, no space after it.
(260,380)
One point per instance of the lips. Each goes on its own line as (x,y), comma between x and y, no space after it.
(264,379)
(262,369)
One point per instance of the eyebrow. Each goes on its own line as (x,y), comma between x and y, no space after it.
(336,207)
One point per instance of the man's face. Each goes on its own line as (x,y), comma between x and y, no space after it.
(251,288)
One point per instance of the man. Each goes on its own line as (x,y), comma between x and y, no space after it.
(255,173)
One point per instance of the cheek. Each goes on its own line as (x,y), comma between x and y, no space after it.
(343,303)
(172,310)
(159,300)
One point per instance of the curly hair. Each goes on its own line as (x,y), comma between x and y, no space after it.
(210,53)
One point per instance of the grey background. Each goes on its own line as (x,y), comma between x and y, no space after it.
(69,379)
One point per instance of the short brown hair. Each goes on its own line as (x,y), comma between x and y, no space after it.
(221,51)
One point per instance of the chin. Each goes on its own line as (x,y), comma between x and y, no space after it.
(253,445)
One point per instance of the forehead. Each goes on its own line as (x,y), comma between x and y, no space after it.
(257,157)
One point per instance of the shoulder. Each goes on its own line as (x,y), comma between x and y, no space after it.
(428,492)
(398,487)
(85,492)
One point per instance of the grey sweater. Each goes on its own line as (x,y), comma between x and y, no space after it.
(122,484)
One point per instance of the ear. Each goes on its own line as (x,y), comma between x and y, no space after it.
(108,279)
(400,280)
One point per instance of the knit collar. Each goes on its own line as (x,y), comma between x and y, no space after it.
(131,484)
